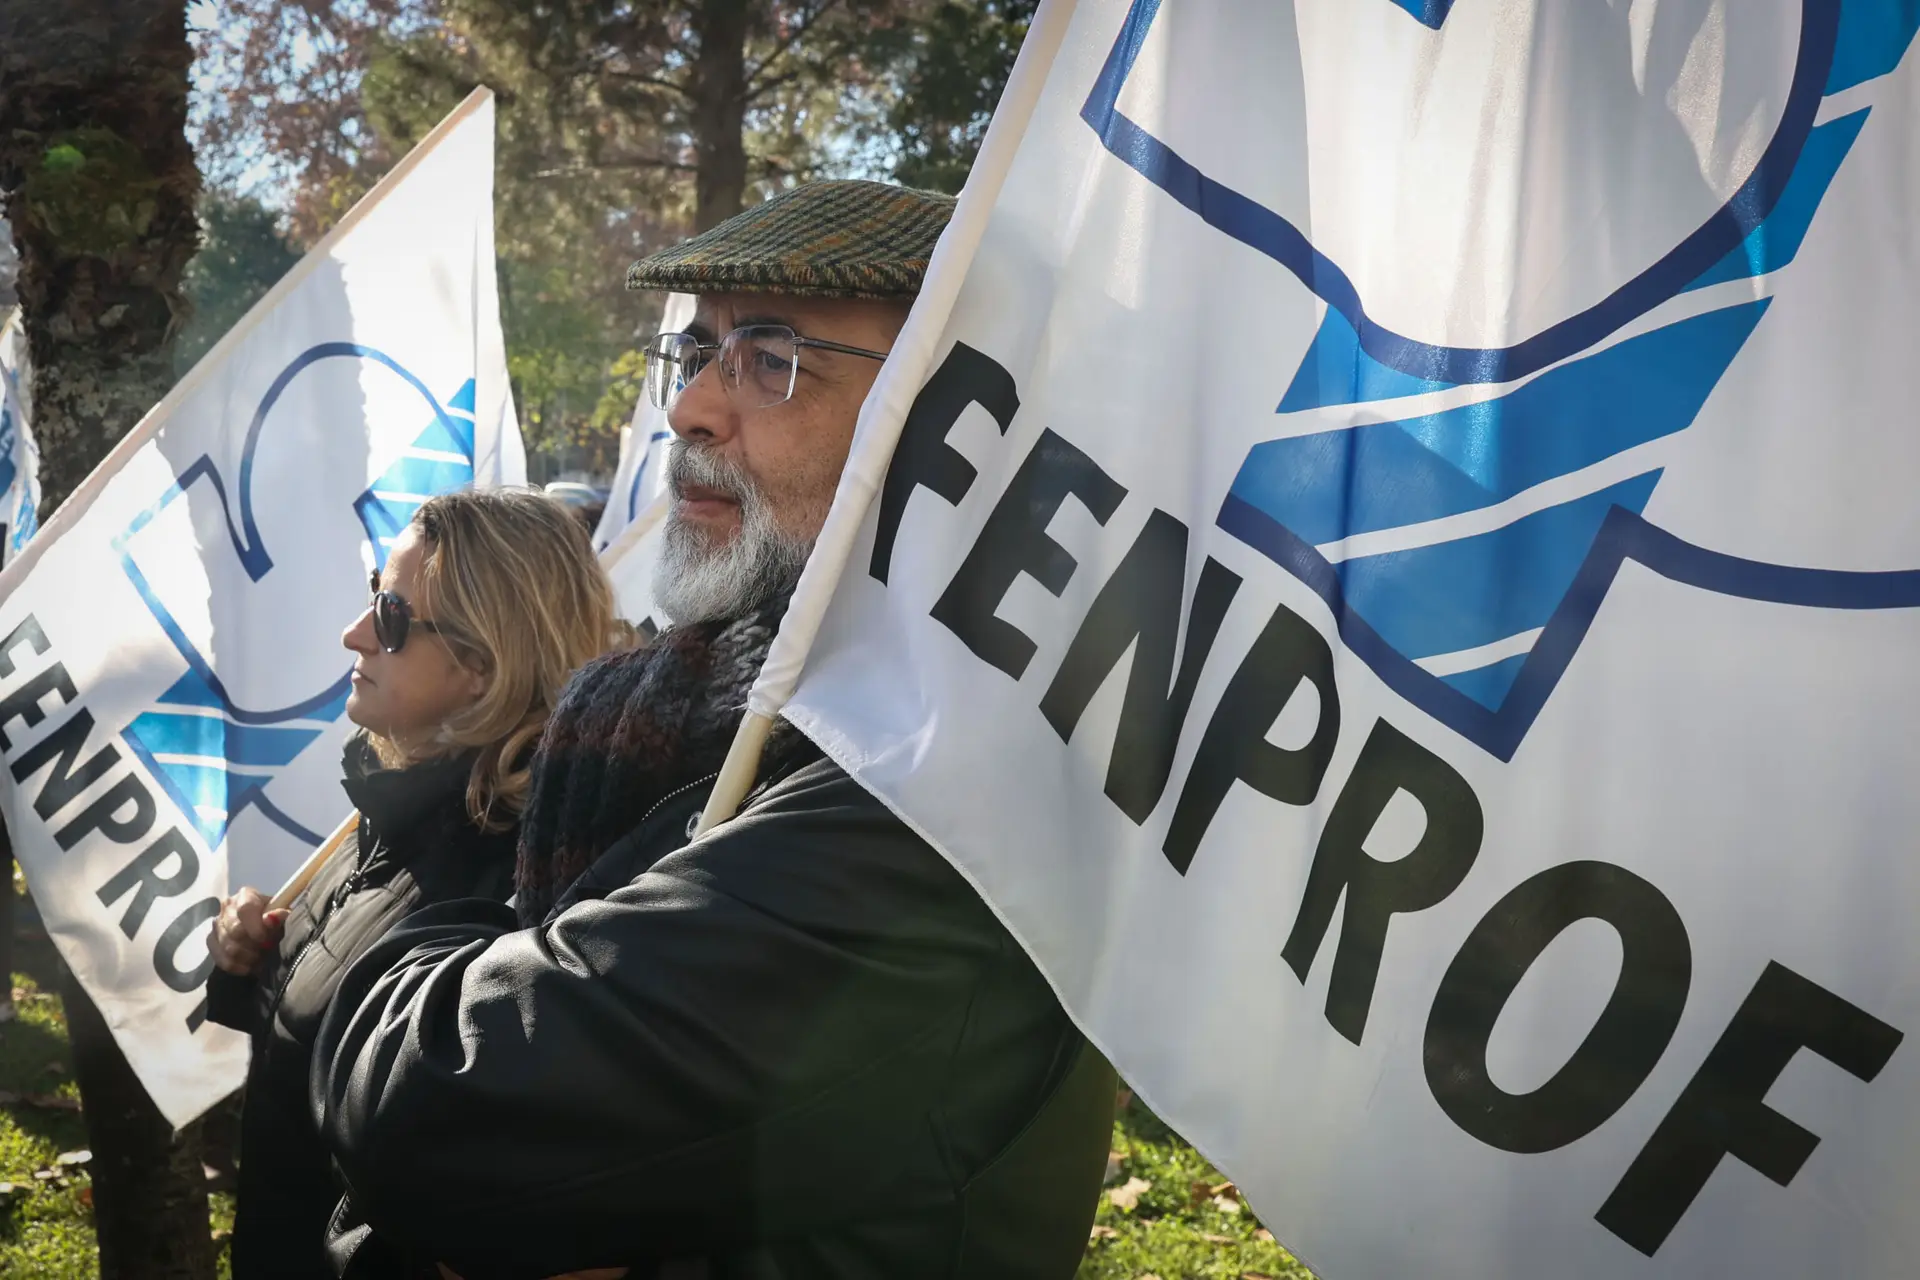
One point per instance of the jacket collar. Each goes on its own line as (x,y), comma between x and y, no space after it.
(395,801)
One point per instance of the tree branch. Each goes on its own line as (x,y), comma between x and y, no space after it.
(624,166)
(640,77)
(768,86)
(797,34)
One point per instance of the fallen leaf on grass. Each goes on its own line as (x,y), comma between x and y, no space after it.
(85,1195)
(1226,1205)
(1263,1235)
(1210,1238)
(45,1175)
(1101,1233)
(72,1158)
(1128,1195)
(1113,1167)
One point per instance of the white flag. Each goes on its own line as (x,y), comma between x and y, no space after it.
(1400,589)
(642,474)
(628,538)
(630,564)
(19,460)
(172,681)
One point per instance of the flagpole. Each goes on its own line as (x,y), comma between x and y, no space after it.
(297,883)
(150,422)
(885,411)
(637,528)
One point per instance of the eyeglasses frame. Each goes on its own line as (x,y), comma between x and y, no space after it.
(401,609)
(793,374)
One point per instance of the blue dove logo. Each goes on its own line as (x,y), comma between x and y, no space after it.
(1474,621)
(213,756)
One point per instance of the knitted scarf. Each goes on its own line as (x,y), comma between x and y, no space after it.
(630,729)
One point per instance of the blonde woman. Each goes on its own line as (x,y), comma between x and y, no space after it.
(489,601)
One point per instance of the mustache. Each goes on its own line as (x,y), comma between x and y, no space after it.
(706,467)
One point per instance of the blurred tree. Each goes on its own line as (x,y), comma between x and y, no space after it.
(946,70)
(99,186)
(680,87)
(622,125)
(277,106)
(242,255)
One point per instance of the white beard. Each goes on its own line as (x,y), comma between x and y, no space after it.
(699,581)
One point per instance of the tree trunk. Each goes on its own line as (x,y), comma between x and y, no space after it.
(149,1185)
(99,184)
(719,91)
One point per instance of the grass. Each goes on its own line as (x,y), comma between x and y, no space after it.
(1185,1223)
(1169,1215)
(46,1222)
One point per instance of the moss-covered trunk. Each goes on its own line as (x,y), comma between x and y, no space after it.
(99,185)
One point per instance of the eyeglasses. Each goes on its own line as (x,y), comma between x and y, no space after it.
(758,364)
(393,617)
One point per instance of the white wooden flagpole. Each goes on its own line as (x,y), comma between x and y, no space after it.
(637,528)
(297,883)
(885,411)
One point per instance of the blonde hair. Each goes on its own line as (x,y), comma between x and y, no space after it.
(510,578)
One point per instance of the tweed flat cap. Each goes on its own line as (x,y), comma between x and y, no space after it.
(842,239)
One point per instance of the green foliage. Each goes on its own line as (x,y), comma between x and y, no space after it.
(92,191)
(608,117)
(1187,1223)
(565,229)
(626,381)
(242,255)
(948,71)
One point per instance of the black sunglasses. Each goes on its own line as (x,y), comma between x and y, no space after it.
(393,618)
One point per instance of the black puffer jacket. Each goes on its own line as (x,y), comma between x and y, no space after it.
(414,846)
(800,1047)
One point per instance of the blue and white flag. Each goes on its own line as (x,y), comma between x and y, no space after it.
(19,460)
(634,522)
(1400,584)
(641,477)
(172,681)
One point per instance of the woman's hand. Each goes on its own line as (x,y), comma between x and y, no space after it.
(244,930)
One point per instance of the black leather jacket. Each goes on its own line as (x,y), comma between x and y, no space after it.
(414,845)
(800,1047)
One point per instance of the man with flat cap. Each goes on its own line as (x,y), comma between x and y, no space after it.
(799,1046)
